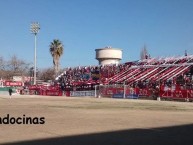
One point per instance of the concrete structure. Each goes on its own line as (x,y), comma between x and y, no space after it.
(108,55)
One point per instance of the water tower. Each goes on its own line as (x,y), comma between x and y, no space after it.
(108,55)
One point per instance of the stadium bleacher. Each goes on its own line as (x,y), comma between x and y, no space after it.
(150,70)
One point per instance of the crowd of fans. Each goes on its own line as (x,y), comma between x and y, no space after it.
(90,74)
(82,77)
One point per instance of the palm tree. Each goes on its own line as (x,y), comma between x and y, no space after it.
(56,50)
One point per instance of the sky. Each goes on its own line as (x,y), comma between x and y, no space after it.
(165,27)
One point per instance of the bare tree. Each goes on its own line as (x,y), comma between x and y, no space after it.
(144,53)
(46,74)
(17,66)
(13,67)
(2,67)
(2,63)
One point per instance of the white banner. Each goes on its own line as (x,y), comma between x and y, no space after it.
(82,93)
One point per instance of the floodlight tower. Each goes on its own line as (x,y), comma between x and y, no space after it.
(35,27)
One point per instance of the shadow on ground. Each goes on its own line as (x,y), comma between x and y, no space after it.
(175,135)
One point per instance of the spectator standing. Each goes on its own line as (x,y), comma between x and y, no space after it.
(10,91)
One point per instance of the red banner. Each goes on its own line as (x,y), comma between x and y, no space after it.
(15,83)
(173,93)
(177,94)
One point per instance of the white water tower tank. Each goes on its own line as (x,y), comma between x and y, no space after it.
(108,55)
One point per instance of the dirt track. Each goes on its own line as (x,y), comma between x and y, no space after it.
(66,118)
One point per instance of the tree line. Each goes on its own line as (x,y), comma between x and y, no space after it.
(15,66)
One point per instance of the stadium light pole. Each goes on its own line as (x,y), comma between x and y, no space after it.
(35,27)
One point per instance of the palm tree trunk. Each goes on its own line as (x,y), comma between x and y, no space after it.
(56,65)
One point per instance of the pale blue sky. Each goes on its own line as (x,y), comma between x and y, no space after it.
(164,26)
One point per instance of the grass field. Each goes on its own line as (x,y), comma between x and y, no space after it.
(94,121)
